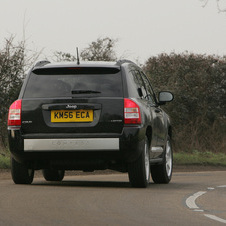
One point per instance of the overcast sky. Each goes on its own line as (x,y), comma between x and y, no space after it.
(143,27)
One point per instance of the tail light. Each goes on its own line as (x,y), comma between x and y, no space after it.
(131,112)
(14,116)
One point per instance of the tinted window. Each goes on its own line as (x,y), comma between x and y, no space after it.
(134,82)
(140,82)
(54,84)
(150,93)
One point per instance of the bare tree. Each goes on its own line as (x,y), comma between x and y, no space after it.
(220,8)
(100,50)
(14,62)
(61,56)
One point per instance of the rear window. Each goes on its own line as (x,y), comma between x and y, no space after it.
(74,82)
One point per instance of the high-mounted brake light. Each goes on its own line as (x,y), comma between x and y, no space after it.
(14,116)
(131,112)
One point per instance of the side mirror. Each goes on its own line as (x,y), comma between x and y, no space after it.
(165,97)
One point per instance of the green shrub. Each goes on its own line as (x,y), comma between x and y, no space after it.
(198,111)
(4,162)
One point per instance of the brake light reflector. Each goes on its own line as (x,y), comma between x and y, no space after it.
(14,116)
(131,112)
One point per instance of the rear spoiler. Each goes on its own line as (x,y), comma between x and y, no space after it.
(75,70)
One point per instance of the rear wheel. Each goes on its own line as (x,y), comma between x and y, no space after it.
(162,174)
(139,171)
(20,173)
(53,175)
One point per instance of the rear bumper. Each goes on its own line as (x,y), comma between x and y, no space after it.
(76,144)
(77,148)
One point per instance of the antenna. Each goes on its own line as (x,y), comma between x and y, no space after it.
(78,62)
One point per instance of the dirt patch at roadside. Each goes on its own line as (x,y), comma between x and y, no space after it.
(6,174)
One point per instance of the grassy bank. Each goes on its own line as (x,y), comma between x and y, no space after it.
(200,158)
(4,161)
(181,158)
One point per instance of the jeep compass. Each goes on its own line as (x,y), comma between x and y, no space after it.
(90,116)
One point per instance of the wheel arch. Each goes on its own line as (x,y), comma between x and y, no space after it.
(170,132)
(149,134)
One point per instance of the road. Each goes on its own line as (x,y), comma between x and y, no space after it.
(195,198)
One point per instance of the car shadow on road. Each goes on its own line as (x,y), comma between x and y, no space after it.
(109,184)
(81,183)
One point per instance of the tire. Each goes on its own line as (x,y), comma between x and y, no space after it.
(139,171)
(53,175)
(162,174)
(20,173)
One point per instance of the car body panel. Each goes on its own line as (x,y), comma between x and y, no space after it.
(103,141)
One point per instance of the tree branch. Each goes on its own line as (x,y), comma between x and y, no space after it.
(219,8)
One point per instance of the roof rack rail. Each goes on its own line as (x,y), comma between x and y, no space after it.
(124,61)
(42,63)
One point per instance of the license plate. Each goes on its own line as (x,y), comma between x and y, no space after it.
(72,116)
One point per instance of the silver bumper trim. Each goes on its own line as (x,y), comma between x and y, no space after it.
(84,144)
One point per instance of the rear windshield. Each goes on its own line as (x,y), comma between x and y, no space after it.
(74,82)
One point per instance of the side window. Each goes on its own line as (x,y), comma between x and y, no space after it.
(140,82)
(136,82)
(150,93)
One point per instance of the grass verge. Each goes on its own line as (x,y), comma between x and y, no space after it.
(180,158)
(4,161)
(200,158)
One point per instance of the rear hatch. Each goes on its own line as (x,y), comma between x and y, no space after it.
(73,101)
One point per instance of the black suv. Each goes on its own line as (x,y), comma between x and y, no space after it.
(90,116)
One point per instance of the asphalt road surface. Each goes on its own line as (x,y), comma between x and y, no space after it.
(192,198)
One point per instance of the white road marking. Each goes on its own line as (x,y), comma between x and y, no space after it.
(215,218)
(190,201)
(198,210)
(210,188)
(222,186)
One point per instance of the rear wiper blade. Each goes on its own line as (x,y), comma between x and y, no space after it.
(84,91)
